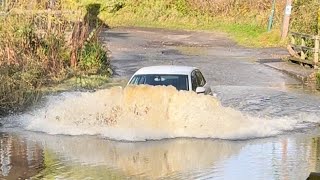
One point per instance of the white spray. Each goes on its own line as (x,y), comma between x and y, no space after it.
(146,112)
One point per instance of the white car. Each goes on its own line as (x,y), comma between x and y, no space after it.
(181,77)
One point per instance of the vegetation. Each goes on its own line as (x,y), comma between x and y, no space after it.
(244,20)
(305,16)
(41,50)
(89,55)
(305,19)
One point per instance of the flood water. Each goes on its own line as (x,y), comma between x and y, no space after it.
(121,133)
(261,124)
(42,156)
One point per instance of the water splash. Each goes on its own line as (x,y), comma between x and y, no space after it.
(146,112)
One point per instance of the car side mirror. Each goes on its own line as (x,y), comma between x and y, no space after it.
(200,90)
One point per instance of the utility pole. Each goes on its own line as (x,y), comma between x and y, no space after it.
(286,19)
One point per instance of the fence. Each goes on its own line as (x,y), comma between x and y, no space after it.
(304,49)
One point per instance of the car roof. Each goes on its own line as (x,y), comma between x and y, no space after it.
(185,70)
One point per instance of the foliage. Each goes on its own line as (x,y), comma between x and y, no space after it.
(28,60)
(35,51)
(245,20)
(247,11)
(116,5)
(16,92)
(305,16)
(93,59)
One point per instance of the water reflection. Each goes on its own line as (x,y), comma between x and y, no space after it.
(143,159)
(315,152)
(19,158)
(41,156)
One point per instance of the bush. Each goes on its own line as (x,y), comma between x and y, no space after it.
(16,93)
(34,53)
(116,6)
(28,59)
(304,16)
(93,59)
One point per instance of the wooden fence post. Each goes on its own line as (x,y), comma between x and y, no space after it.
(286,20)
(293,40)
(316,52)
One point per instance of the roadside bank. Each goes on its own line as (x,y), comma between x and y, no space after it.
(39,53)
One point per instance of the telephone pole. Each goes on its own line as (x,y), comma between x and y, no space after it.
(286,19)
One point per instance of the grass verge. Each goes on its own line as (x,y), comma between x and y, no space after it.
(247,34)
(247,26)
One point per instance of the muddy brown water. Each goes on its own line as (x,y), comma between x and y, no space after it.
(277,118)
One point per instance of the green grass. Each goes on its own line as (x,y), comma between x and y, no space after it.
(245,34)
(246,30)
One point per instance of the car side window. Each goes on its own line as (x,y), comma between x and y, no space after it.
(136,80)
(200,79)
(194,81)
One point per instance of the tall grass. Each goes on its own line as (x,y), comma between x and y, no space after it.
(245,20)
(29,58)
(37,49)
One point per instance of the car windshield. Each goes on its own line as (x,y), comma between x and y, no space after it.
(180,82)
